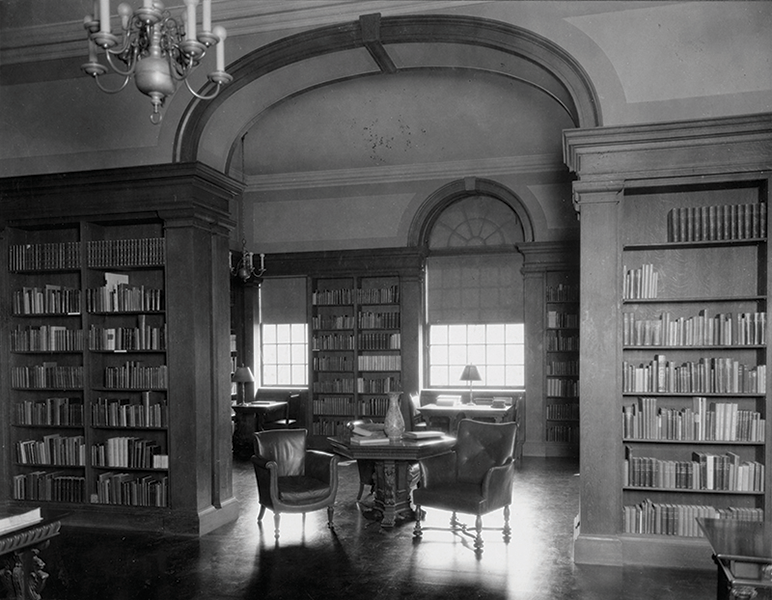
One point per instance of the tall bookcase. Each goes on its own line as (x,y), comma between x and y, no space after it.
(551,294)
(356,347)
(674,295)
(115,370)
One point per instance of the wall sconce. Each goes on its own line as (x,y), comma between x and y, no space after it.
(245,267)
(470,374)
(242,377)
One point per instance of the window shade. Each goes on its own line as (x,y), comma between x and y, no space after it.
(475,289)
(283,300)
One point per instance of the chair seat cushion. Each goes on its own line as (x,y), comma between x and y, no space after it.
(301,489)
(462,497)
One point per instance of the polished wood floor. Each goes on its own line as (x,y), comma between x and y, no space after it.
(358,559)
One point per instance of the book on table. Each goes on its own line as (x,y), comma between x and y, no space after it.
(422,435)
(12,521)
(374,440)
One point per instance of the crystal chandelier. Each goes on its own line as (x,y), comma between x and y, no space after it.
(156,49)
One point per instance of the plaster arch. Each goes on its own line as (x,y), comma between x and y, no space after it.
(208,130)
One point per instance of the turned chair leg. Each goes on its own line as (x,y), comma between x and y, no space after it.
(453,521)
(417,532)
(276,520)
(330,511)
(478,541)
(507,529)
(361,491)
(262,512)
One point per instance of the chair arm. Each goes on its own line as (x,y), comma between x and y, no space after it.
(497,484)
(438,469)
(267,479)
(321,465)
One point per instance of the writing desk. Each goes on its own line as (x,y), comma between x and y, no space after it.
(455,412)
(251,417)
(21,569)
(742,551)
(392,462)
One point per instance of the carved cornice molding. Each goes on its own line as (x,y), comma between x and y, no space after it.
(700,147)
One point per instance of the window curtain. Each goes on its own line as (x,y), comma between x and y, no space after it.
(283,300)
(474,289)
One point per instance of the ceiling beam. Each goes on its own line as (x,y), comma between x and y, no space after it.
(371,37)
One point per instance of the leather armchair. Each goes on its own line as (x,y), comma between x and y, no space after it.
(476,478)
(292,478)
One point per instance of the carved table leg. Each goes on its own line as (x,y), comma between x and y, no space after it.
(22,574)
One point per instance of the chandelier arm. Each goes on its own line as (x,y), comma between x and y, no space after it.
(129,72)
(203,96)
(115,91)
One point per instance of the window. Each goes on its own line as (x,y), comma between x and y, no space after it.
(283,333)
(285,354)
(496,349)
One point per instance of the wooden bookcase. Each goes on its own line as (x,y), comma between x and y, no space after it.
(356,349)
(115,374)
(664,267)
(551,295)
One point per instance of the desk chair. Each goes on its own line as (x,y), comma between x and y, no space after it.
(292,478)
(475,478)
(293,401)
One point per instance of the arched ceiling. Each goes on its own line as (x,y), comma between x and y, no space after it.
(391,92)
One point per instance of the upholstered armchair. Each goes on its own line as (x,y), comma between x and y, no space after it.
(292,478)
(476,478)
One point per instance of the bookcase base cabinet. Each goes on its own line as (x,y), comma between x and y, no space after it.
(636,550)
(116,381)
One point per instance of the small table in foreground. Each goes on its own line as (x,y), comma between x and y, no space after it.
(392,461)
(742,551)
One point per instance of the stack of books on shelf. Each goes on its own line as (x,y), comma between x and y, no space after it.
(41,257)
(368,434)
(710,223)
(640,283)
(50,411)
(679,519)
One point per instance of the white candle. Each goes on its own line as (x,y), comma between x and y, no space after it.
(104,16)
(190,34)
(262,262)
(206,22)
(92,51)
(219,31)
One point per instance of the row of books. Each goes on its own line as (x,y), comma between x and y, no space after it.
(131,490)
(142,337)
(332,341)
(133,375)
(718,375)
(53,449)
(333,322)
(723,329)
(563,412)
(563,388)
(705,471)
(53,486)
(680,519)
(560,341)
(341,405)
(124,298)
(379,341)
(337,385)
(48,375)
(703,421)
(562,293)
(381,385)
(640,283)
(108,412)
(383,295)
(44,257)
(378,320)
(333,363)
(379,362)
(565,434)
(50,411)
(562,320)
(720,222)
(141,252)
(129,452)
(47,338)
(48,300)
(562,368)
(328,427)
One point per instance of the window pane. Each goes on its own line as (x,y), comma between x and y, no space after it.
(269,334)
(298,352)
(438,334)
(298,333)
(269,355)
(476,334)
(496,334)
(457,334)
(438,355)
(457,356)
(285,354)
(283,333)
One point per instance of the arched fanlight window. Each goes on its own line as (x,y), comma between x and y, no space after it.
(476,221)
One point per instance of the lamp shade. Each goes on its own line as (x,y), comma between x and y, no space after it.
(243,375)
(470,374)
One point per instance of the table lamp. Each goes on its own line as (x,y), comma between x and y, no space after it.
(242,376)
(470,374)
